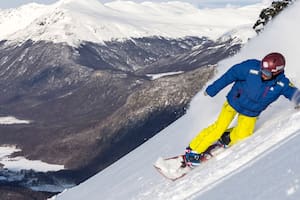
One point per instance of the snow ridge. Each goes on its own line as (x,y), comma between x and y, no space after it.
(75,21)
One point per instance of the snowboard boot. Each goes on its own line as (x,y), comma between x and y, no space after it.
(225,139)
(192,158)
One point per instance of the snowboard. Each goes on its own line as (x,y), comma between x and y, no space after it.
(175,167)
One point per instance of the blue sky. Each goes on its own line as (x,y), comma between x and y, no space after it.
(198,3)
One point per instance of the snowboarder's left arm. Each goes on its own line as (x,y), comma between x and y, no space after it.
(292,93)
(296,99)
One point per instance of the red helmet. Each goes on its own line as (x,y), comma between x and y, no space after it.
(274,63)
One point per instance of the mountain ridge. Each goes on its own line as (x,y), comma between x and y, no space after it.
(73,21)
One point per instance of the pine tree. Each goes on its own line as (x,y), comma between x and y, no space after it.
(269,13)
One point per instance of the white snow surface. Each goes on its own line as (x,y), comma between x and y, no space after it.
(263,166)
(18,163)
(76,21)
(160,75)
(12,120)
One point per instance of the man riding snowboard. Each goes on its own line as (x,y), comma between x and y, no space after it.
(256,85)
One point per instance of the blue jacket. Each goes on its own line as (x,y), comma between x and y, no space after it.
(250,95)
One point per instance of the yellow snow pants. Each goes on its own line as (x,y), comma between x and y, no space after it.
(244,128)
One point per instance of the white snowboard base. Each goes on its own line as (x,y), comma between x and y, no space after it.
(171,168)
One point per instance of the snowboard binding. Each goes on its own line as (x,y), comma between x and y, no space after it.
(192,158)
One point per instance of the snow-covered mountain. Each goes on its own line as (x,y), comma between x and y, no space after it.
(264,166)
(52,57)
(74,21)
(88,77)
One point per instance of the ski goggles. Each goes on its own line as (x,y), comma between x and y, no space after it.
(266,73)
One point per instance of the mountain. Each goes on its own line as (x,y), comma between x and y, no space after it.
(74,21)
(97,80)
(264,166)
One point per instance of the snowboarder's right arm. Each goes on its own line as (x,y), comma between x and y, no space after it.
(237,72)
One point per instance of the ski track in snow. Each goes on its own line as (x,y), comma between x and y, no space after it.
(230,162)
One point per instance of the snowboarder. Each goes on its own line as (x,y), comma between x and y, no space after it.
(256,85)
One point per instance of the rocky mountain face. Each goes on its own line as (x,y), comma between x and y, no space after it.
(91,104)
(269,13)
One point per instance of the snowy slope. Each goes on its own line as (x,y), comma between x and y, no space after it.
(18,163)
(12,120)
(13,20)
(264,166)
(74,21)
